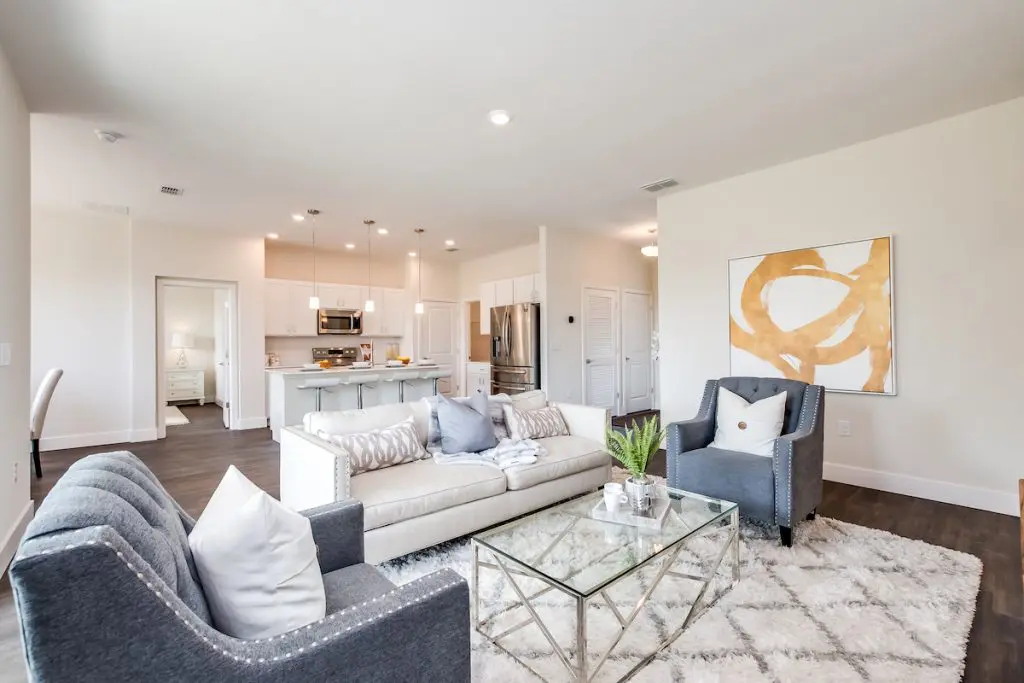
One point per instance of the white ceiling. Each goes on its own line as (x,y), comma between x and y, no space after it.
(378,108)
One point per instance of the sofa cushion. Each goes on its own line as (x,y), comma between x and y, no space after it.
(565,455)
(535,424)
(745,479)
(403,492)
(353,585)
(530,400)
(465,427)
(378,417)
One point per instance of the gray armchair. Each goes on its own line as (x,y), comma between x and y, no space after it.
(106,591)
(782,489)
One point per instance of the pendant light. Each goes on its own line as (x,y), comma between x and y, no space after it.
(369,306)
(314,300)
(419,271)
(651,250)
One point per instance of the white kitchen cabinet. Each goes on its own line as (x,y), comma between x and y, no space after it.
(504,293)
(303,318)
(486,304)
(395,312)
(373,321)
(352,297)
(478,378)
(330,295)
(525,289)
(277,318)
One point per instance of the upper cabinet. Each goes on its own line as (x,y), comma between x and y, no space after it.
(287,312)
(519,290)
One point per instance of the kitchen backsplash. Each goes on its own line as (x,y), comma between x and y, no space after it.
(298,350)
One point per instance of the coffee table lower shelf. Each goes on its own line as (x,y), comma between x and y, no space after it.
(579,666)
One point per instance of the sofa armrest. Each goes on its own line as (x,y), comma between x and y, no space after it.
(799,460)
(586,421)
(338,534)
(126,624)
(689,435)
(314,472)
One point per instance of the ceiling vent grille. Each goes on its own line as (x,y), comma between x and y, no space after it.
(173,191)
(660,185)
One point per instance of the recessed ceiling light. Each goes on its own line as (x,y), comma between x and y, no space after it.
(350,246)
(499,117)
(412,253)
(449,243)
(382,231)
(298,217)
(110,136)
(272,235)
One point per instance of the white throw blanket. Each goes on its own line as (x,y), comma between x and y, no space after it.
(508,453)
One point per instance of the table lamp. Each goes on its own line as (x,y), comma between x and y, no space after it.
(182,341)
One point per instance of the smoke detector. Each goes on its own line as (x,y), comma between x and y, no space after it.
(173,191)
(659,185)
(110,136)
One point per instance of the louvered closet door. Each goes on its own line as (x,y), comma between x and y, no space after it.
(600,342)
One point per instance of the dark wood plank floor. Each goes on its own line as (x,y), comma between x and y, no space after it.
(191,461)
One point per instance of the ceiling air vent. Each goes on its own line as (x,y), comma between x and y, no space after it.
(660,185)
(173,191)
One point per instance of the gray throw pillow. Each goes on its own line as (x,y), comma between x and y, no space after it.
(465,428)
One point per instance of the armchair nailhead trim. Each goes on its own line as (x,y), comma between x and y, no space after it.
(243,660)
(811,389)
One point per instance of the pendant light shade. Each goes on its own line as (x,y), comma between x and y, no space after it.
(369,306)
(418,308)
(650,250)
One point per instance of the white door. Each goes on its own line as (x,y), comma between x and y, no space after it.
(600,348)
(222,343)
(437,339)
(636,351)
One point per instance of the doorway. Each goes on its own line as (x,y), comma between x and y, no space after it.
(197,326)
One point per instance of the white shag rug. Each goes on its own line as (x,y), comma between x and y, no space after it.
(845,603)
(173,416)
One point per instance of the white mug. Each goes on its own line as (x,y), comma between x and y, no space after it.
(613,496)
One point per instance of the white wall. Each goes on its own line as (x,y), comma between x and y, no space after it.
(191,310)
(99,272)
(159,250)
(952,195)
(295,262)
(500,265)
(15,506)
(570,261)
(80,322)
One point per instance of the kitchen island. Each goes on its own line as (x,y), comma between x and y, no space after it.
(287,403)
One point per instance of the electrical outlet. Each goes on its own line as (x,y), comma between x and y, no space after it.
(843,428)
(14,474)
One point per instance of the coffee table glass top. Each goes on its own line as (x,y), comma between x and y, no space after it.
(583,555)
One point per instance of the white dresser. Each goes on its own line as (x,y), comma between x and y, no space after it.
(186,385)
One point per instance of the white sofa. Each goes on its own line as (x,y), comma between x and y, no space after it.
(416,505)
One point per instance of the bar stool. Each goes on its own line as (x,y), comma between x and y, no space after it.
(435,375)
(359,381)
(319,385)
(402,376)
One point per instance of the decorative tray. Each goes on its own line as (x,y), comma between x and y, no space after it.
(654,518)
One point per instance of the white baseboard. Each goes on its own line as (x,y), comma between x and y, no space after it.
(10,543)
(57,443)
(931,489)
(252,423)
(149,434)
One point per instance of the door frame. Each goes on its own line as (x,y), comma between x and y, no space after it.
(617,336)
(650,353)
(161,347)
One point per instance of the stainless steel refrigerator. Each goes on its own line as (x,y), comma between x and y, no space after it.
(515,348)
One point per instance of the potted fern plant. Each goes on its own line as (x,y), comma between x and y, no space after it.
(634,449)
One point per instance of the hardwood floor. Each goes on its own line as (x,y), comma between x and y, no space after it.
(191,461)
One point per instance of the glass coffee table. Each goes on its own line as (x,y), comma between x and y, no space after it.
(563,549)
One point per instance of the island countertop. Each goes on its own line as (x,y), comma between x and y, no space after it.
(375,370)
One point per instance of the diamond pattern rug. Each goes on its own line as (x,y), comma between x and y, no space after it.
(846,603)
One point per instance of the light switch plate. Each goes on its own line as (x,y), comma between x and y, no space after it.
(5,353)
(843,427)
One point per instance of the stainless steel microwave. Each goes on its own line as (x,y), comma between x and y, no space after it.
(339,321)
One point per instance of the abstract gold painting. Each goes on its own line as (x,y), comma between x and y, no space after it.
(822,315)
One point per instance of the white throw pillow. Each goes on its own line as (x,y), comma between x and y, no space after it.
(530,400)
(257,562)
(535,424)
(748,427)
(379,448)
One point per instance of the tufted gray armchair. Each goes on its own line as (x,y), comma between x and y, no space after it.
(106,590)
(782,489)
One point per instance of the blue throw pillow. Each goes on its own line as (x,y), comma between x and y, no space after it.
(465,428)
